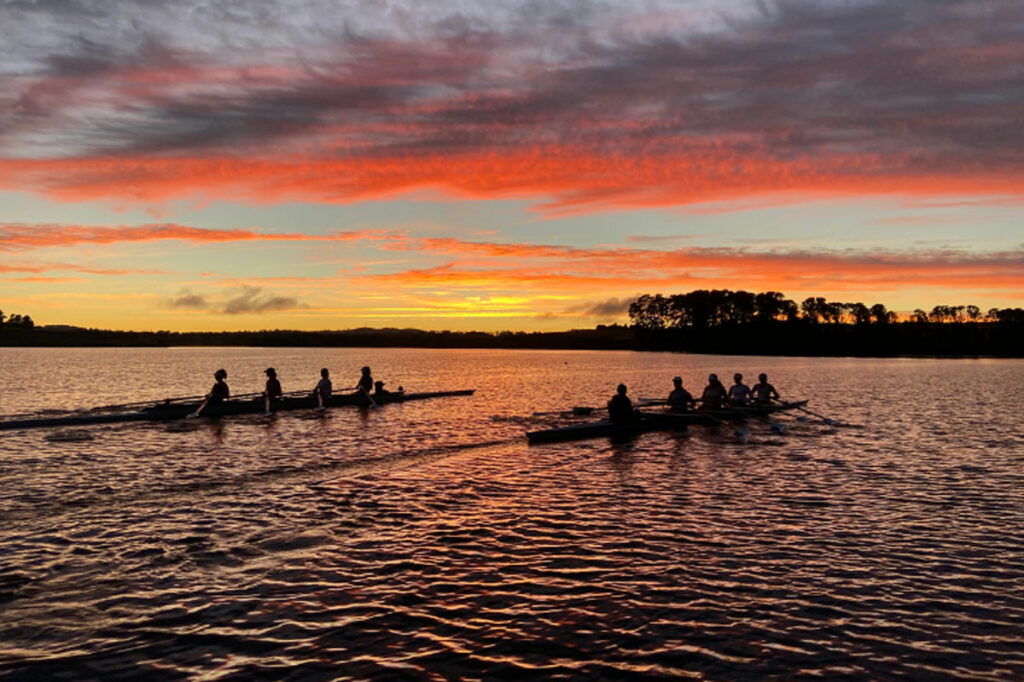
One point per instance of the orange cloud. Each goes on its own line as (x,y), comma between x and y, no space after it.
(577,178)
(478,265)
(44,280)
(15,236)
(72,267)
(630,270)
(570,108)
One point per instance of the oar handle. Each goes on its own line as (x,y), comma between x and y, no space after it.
(827,420)
(579,410)
(157,401)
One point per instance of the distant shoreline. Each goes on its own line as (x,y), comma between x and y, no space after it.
(905,339)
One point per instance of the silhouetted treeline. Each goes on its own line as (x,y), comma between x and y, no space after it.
(703,321)
(741,322)
(612,337)
(15,321)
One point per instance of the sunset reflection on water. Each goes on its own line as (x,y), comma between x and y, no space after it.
(428,539)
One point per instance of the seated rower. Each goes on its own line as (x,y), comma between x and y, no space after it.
(763,391)
(679,400)
(272,391)
(365,384)
(218,394)
(739,392)
(714,394)
(323,388)
(620,407)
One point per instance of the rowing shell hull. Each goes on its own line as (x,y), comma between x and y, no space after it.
(174,411)
(655,422)
(732,414)
(609,429)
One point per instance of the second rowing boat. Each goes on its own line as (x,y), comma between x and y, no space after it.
(172,411)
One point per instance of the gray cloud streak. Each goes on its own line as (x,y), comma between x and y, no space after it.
(248,301)
(922,86)
(252,301)
(608,309)
(188,300)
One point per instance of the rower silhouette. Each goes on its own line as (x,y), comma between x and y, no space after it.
(714,394)
(272,391)
(218,394)
(679,400)
(620,407)
(323,388)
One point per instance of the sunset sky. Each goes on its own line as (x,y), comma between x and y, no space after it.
(502,165)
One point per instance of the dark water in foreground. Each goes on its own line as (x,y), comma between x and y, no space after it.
(427,541)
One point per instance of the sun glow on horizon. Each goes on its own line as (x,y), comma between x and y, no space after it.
(503,166)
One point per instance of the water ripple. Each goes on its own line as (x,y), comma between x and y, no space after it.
(428,541)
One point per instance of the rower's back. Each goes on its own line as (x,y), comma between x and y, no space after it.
(620,407)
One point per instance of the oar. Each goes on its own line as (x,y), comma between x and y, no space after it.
(373,405)
(165,401)
(199,410)
(146,402)
(776,427)
(737,432)
(322,401)
(268,403)
(827,420)
(579,410)
(747,411)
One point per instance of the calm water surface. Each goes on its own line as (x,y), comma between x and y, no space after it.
(427,541)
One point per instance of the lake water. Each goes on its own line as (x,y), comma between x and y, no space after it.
(428,541)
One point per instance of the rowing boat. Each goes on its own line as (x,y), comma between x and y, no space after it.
(734,413)
(648,422)
(607,428)
(172,411)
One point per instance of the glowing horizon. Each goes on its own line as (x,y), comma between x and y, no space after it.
(503,166)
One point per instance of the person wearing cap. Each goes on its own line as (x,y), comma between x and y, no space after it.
(620,407)
(272,390)
(378,388)
(679,400)
(763,391)
(323,389)
(739,392)
(714,394)
(365,383)
(218,394)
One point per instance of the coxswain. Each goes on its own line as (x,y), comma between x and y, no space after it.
(739,392)
(218,394)
(365,383)
(323,389)
(273,389)
(679,400)
(714,394)
(620,407)
(763,391)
